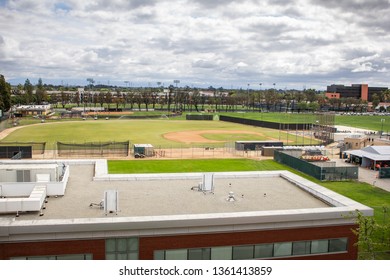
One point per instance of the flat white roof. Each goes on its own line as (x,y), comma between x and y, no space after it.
(169,203)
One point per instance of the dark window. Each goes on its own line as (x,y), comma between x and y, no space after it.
(301,248)
(338,245)
(243,252)
(199,254)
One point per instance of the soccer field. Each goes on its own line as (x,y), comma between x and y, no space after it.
(165,133)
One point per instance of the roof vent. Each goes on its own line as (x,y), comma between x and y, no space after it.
(231,197)
(111,201)
(207,184)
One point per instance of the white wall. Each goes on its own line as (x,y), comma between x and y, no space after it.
(16,189)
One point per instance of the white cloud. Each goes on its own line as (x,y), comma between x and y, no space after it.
(224,42)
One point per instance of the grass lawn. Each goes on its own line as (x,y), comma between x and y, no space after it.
(364,193)
(193,165)
(367,122)
(274,117)
(140,131)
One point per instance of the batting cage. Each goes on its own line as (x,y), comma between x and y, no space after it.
(93,149)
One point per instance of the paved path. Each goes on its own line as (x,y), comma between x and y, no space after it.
(370,176)
(367,175)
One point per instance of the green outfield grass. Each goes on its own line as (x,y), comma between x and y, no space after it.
(274,117)
(367,122)
(141,131)
(359,121)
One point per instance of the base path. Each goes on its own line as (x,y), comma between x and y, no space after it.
(8,131)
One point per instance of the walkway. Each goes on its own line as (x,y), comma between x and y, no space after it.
(370,176)
(367,175)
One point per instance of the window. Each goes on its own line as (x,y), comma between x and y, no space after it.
(338,245)
(301,248)
(122,248)
(159,255)
(282,249)
(319,246)
(258,251)
(199,254)
(57,257)
(221,253)
(180,254)
(264,251)
(243,252)
(23,176)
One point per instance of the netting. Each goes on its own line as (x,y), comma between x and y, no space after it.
(98,149)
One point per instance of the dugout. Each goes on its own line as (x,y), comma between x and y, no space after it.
(10,152)
(256,145)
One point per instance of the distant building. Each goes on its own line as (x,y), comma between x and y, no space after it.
(32,110)
(357,142)
(373,157)
(357,91)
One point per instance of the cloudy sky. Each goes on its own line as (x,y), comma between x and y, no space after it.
(292,43)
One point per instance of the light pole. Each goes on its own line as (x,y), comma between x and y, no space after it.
(260,98)
(176,93)
(247,93)
(382,121)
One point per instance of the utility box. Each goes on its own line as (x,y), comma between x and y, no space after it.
(143,150)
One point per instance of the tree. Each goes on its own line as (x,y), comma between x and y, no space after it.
(302,106)
(169,97)
(373,238)
(28,90)
(386,95)
(64,98)
(91,82)
(146,97)
(5,94)
(40,93)
(310,95)
(108,99)
(313,106)
(375,101)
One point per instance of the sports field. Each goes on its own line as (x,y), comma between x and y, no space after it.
(164,133)
(374,122)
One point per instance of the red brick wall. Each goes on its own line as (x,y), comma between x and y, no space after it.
(47,248)
(149,244)
(364,92)
(331,95)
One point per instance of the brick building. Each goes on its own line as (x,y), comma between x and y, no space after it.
(229,215)
(357,91)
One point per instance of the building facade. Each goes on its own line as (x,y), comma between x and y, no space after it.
(356,91)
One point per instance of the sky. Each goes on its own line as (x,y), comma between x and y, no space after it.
(286,44)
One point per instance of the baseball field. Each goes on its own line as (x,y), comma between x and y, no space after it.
(161,132)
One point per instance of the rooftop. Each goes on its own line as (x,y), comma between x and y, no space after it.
(174,196)
(378,153)
(151,203)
